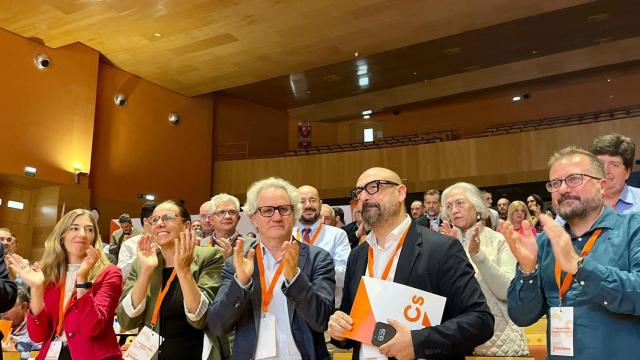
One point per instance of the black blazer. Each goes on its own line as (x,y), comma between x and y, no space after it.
(438,264)
(310,302)
(8,288)
(351,229)
(424,221)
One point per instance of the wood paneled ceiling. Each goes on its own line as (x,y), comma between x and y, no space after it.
(299,55)
(199,46)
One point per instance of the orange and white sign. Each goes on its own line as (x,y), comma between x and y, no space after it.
(380,300)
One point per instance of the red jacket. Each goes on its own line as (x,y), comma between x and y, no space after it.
(88,321)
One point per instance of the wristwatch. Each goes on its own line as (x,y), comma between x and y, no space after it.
(86,285)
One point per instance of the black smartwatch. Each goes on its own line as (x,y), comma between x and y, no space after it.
(86,285)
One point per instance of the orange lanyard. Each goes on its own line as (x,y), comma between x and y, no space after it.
(315,236)
(563,286)
(61,308)
(387,269)
(161,295)
(267,294)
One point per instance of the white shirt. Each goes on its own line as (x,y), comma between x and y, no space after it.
(336,242)
(127,255)
(381,257)
(69,287)
(287,348)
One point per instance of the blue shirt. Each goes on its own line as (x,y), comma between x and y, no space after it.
(629,201)
(605,293)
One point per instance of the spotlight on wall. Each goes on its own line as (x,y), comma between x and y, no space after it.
(42,61)
(148,197)
(76,175)
(120,99)
(30,171)
(174,118)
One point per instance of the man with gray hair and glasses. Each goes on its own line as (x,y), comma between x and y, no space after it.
(279,297)
(224,215)
(584,276)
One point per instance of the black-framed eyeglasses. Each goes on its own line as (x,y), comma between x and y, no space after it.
(371,188)
(573,180)
(222,213)
(168,217)
(268,211)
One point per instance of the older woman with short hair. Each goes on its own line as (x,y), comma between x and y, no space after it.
(463,207)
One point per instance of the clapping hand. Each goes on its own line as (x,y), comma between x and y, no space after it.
(183,254)
(290,258)
(474,240)
(147,257)
(225,244)
(89,261)
(524,248)
(32,275)
(244,265)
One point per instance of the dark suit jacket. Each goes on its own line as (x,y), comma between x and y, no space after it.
(424,221)
(310,301)
(351,229)
(437,264)
(8,288)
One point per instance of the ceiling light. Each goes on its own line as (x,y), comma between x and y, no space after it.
(149,197)
(157,35)
(608,79)
(15,205)
(42,61)
(367,112)
(534,52)
(30,171)
(415,73)
(366,117)
(309,92)
(356,54)
(516,98)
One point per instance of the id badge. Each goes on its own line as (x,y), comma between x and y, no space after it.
(54,350)
(145,345)
(561,331)
(267,347)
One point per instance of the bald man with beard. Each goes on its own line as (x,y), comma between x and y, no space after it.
(426,260)
(312,231)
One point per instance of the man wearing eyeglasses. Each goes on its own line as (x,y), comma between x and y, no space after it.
(404,252)
(584,276)
(312,231)
(224,215)
(279,297)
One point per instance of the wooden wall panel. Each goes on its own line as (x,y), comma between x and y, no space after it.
(488,161)
(14,219)
(44,216)
(47,116)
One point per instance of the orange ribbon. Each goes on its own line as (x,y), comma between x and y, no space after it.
(267,294)
(563,286)
(61,308)
(315,236)
(387,269)
(161,295)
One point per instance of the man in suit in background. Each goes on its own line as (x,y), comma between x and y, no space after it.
(431,217)
(416,257)
(279,296)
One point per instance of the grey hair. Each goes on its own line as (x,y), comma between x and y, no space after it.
(220,198)
(250,207)
(595,163)
(331,211)
(473,195)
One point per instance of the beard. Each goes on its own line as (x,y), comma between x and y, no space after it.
(374,214)
(309,220)
(583,206)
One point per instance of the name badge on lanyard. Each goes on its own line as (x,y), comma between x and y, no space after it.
(54,350)
(145,345)
(267,347)
(561,331)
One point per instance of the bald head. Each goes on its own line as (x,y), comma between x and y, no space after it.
(205,219)
(378,173)
(311,204)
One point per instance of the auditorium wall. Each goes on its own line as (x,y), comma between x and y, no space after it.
(471,113)
(136,149)
(487,161)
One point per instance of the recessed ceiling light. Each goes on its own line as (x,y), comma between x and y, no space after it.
(415,73)
(157,34)
(356,54)
(309,92)
(366,117)
(15,205)
(534,52)
(30,171)
(608,79)
(149,197)
(516,98)
(367,112)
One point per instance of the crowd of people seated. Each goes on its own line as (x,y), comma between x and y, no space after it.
(199,289)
